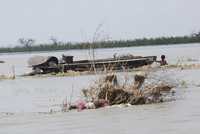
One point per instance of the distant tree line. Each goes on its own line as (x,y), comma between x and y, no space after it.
(28,45)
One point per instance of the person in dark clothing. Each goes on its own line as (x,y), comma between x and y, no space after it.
(163,60)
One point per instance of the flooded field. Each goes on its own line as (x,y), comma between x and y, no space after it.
(25,102)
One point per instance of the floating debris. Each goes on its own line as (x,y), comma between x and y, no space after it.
(108,92)
(184,66)
(5,77)
(112,92)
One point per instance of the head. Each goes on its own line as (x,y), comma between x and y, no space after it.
(162,57)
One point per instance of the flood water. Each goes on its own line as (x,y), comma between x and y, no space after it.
(25,102)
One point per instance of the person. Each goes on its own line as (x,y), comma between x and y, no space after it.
(163,60)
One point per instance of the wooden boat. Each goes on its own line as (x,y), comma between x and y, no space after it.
(109,64)
(52,64)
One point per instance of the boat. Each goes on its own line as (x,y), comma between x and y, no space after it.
(50,64)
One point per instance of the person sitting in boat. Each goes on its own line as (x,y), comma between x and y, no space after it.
(163,61)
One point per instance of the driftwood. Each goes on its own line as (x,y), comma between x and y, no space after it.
(109,90)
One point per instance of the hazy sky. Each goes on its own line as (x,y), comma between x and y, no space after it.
(76,20)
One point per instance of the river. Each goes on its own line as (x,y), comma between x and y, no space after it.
(25,102)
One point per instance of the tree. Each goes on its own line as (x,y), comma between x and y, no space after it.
(55,41)
(196,34)
(26,42)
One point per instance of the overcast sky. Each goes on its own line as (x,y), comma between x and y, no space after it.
(76,20)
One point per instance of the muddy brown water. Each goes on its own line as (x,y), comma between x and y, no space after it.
(25,102)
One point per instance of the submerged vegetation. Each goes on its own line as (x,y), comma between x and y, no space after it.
(108,91)
(29,45)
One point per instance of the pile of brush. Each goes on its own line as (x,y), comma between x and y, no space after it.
(109,91)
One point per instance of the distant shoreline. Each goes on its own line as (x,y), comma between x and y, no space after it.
(61,46)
